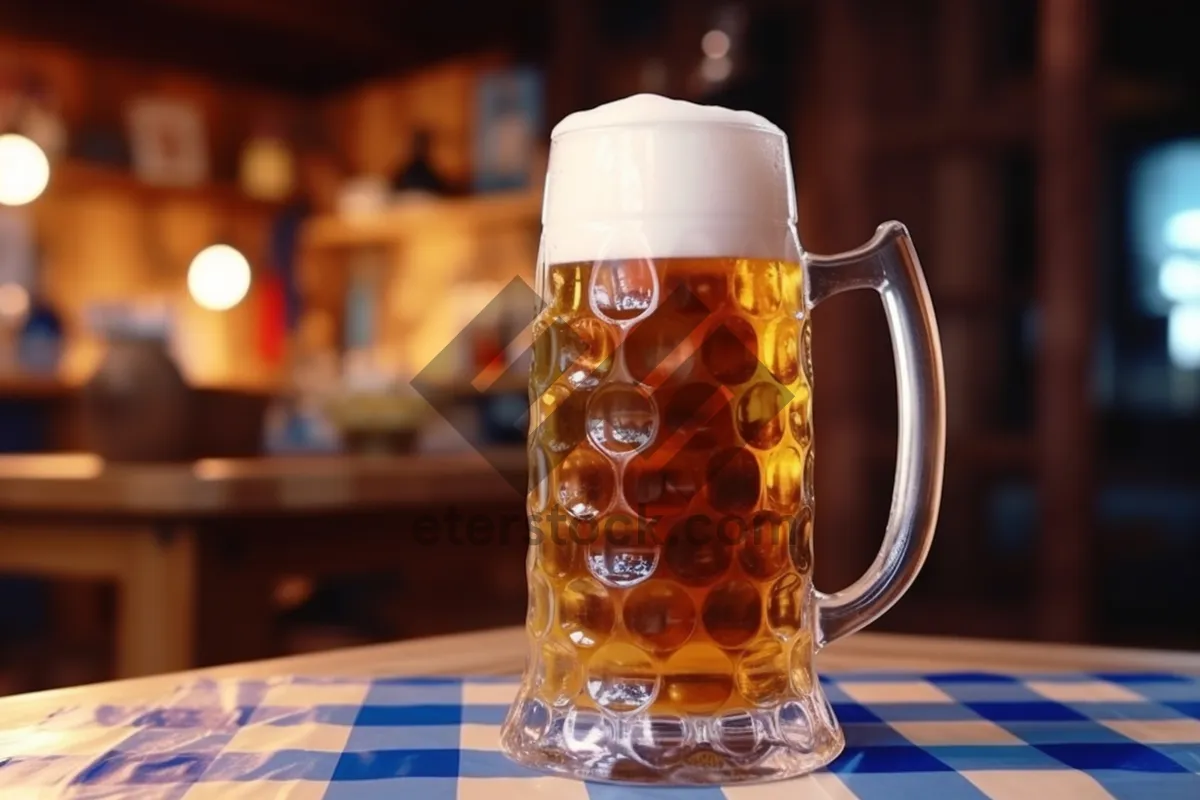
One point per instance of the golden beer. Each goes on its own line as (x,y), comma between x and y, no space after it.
(671,497)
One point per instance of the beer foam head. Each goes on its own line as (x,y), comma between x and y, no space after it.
(653,177)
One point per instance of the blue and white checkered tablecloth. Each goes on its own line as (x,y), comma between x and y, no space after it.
(942,736)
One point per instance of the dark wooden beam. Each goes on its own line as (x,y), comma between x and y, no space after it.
(304,47)
(345,26)
(687,21)
(1008,116)
(966,251)
(831,158)
(1067,150)
(573,59)
(185,39)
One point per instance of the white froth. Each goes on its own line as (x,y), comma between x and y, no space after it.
(653,177)
(653,109)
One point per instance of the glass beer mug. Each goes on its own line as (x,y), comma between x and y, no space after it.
(672,620)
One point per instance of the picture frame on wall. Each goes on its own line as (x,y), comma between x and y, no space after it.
(168,142)
(508,132)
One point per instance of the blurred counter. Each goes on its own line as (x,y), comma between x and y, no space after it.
(422,545)
(85,484)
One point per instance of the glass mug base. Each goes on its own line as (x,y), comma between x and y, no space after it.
(786,740)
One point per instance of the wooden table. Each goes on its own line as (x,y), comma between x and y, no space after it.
(190,547)
(502,652)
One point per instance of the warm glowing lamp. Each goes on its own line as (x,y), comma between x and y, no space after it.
(24,170)
(219,277)
(14,301)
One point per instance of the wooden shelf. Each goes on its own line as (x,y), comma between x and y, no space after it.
(465,392)
(33,387)
(80,177)
(37,387)
(408,219)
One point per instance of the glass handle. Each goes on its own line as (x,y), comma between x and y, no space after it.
(889,265)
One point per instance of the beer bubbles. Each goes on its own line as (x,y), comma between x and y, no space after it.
(219,277)
(24,170)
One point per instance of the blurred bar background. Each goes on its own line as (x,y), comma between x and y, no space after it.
(234,234)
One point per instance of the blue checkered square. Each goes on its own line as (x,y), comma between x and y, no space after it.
(1187,755)
(282,765)
(411,763)
(391,737)
(1125,756)
(1124,785)
(387,789)
(892,760)
(1083,732)
(943,785)
(1023,711)
(402,694)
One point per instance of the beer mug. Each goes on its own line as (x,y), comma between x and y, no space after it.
(672,619)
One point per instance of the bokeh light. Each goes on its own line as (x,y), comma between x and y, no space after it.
(1182,230)
(715,44)
(716,70)
(14,301)
(219,277)
(24,170)
(1183,336)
